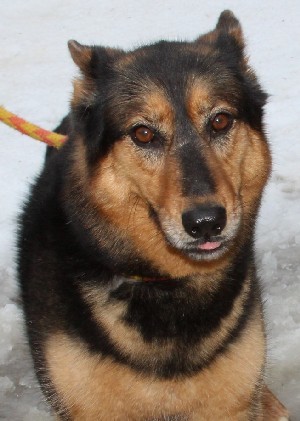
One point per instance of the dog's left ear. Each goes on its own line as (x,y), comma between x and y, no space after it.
(227,37)
(229,25)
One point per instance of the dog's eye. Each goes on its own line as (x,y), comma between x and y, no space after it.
(143,134)
(221,122)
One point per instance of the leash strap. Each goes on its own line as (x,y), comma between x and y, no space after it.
(36,132)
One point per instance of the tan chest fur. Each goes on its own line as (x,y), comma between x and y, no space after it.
(94,388)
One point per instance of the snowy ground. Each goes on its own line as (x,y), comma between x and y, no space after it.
(35,81)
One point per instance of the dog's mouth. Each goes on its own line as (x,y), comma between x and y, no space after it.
(208,240)
(210,245)
(205,249)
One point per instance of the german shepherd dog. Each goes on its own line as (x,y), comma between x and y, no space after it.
(136,258)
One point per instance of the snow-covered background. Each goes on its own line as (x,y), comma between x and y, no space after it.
(35,82)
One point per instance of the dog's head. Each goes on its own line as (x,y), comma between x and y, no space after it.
(175,158)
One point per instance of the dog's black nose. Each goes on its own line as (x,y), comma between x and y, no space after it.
(204,221)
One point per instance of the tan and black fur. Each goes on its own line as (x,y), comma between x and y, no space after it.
(136,258)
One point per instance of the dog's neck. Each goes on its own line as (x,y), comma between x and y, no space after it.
(136,280)
(140,278)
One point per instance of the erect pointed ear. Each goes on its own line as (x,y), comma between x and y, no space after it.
(227,35)
(94,63)
(92,60)
(81,55)
(229,24)
(84,86)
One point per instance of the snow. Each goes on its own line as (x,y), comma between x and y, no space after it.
(35,82)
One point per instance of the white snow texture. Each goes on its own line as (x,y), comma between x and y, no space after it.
(35,82)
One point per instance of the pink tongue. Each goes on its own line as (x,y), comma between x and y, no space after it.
(209,245)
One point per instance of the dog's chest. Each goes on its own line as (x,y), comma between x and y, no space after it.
(96,388)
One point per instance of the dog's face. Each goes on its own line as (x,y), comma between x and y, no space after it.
(175,153)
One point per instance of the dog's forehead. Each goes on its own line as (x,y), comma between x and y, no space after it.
(163,102)
(174,73)
(165,62)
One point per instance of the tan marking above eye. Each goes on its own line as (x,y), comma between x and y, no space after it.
(143,134)
(221,121)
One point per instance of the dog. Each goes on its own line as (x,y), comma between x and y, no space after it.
(136,256)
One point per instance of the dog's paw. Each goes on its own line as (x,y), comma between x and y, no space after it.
(274,409)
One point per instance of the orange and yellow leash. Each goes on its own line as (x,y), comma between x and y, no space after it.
(36,132)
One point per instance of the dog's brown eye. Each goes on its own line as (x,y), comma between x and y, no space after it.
(143,134)
(221,121)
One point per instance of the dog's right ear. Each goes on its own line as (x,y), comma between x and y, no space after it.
(84,86)
(94,63)
(81,55)
(92,60)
